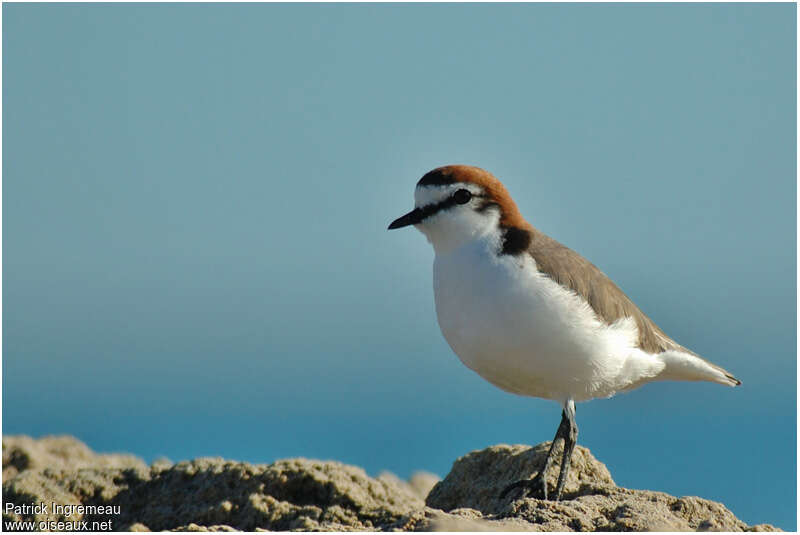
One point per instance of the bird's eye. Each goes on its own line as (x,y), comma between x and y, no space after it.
(462,196)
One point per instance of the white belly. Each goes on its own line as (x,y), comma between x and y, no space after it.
(526,334)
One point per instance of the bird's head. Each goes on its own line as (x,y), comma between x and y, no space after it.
(457,203)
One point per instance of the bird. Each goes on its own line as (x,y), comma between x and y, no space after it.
(532,316)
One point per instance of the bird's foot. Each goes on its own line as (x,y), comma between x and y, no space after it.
(536,487)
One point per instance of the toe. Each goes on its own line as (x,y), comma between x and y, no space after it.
(535,486)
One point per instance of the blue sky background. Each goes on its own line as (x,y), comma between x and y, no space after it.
(195,201)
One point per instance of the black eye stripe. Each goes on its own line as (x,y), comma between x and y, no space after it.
(432,209)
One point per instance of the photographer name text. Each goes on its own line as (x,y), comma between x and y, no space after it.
(62,510)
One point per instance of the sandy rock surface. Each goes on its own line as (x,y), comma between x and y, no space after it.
(213,494)
(478,478)
(22,453)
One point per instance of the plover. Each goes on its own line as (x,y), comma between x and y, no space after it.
(530,315)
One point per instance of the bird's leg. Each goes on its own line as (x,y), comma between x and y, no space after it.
(539,482)
(570,439)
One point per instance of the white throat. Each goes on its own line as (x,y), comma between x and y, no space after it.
(459,224)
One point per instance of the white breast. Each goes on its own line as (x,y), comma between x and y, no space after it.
(526,334)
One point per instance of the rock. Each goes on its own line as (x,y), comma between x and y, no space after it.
(136,526)
(195,527)
(430,519)
(57,453)
(477,479)
(295,494)
(213,494)
(420,483)
(591,500)
(286,495)
(64,471)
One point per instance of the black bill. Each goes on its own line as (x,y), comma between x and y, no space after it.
(412,218)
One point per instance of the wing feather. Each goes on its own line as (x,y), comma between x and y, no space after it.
(573,271)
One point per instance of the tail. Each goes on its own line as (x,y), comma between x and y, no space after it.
(680,366)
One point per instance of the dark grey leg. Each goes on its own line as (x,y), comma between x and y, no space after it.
(570,439)
(539,482)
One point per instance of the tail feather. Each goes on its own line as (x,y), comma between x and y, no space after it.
(680,366)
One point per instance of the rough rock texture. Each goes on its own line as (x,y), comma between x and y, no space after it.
(478,478)
(22,453)
(302,494)
(591,500)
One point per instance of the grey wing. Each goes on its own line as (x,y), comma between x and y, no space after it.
(573,271)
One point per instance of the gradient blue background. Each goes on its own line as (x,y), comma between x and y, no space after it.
(195,202)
